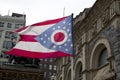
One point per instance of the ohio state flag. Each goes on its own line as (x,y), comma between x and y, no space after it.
(47,39)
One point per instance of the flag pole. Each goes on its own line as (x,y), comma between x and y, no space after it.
(72,71)
(63,11)
(63,57)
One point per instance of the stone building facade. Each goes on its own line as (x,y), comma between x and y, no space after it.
(10,72)
(96,44)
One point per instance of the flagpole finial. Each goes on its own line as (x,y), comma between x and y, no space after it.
(63,11)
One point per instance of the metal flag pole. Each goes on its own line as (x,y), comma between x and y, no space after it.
(63,57)
(71,58)
(63,11)
(72,72)
(72,62)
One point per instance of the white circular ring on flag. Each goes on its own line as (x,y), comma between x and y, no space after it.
(60,34)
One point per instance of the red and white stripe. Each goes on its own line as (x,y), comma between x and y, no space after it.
(29,47)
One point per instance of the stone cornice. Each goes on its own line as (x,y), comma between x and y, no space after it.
(12,19)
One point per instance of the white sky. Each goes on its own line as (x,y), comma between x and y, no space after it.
(41,10)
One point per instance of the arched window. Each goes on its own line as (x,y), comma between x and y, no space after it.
(80,73)
(103,57)
(69,75)
(61,78)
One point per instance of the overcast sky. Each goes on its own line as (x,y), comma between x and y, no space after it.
(41,10)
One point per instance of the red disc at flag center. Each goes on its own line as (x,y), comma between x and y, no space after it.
(59,37)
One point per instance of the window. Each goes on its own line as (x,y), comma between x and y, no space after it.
(1,24)
(54,67)
(7,44)
(41,60)
(45,60)
(50,67)
(112,9)
(9,25)
(13,35)
(51,60)
(99,24)
(45,65)
(17,25)
(1,33)
(7,34)
(50,73)
(103,57)
(80,73)
(41,66)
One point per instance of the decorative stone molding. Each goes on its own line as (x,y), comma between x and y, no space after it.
(104,74)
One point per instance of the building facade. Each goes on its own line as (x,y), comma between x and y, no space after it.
(48,66)
(96,44)
(11,72)
(7,38)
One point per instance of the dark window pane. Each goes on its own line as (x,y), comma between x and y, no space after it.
(1,24)
(7,44)
(18,26)
(8,34)
(1,33)
(9,25)
(103,57)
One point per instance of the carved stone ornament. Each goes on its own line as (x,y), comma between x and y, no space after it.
(104,74)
